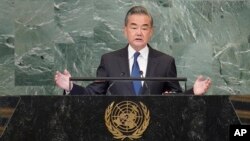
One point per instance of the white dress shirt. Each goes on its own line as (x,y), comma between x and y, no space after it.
(142,59)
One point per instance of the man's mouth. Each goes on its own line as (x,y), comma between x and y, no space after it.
(138,39)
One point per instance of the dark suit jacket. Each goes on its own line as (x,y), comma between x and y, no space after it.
(116,64)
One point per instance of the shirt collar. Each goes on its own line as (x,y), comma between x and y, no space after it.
(143,52)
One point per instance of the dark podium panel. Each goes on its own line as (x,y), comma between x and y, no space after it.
(82,118)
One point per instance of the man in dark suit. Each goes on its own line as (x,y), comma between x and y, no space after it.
(135,60)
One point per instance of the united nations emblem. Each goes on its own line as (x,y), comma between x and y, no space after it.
(127,119)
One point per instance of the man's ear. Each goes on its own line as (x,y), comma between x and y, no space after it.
(124,32)
(152,32)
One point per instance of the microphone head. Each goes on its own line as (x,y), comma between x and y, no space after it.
(112,83)
(141,72)
(122,74)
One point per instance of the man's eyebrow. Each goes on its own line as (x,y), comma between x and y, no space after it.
(133,24)
(146,25)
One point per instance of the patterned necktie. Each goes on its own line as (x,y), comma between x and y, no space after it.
(136,73)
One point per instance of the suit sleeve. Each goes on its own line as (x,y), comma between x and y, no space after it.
(172,86)
(97,87)
(175,86)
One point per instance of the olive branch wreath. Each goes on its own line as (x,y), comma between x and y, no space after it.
(137,134)
(119,135)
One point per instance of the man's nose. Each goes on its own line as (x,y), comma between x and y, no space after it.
(139,32)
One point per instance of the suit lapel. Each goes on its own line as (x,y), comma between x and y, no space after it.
(124,65)
(151,67)
(123,62)
(152,63)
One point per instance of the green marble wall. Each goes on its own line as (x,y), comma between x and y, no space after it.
(38,37)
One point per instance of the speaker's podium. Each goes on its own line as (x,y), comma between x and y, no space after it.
(106,118)
(111,118)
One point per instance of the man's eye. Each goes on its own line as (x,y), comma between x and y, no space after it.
(145,28)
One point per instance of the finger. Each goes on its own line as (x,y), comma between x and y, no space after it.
(56,76)
(166,93)
(58,72)
(201,78)
(66,72)
(208,81)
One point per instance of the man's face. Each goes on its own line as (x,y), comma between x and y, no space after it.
(138,30)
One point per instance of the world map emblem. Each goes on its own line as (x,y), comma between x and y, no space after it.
(127,119)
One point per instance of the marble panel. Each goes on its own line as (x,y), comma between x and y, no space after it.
(207,37)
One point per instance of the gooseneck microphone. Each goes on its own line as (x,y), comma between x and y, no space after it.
(146,84)
(112,83)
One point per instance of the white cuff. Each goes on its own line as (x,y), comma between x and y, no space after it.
(68,92)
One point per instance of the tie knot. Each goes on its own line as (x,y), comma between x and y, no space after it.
(136,55)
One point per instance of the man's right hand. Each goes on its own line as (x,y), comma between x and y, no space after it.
(62,80)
